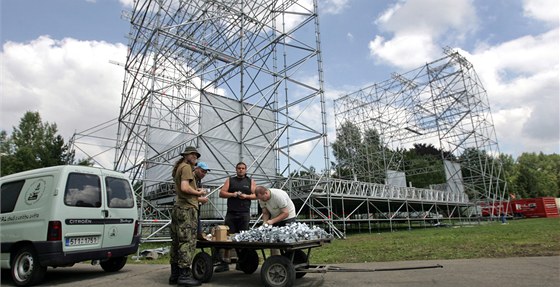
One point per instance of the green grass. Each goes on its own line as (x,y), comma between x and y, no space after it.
(517,238)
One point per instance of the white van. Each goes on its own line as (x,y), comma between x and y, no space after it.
(58,216)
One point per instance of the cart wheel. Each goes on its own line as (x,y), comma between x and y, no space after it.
(26,269)
(248,261)
(299,258)
(202,267)
(278,271)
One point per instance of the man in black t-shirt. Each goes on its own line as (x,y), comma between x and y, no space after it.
(239,191)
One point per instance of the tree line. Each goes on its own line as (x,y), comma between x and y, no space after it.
(362,156)
(34,144)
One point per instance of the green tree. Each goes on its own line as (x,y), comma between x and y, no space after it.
(363,157)
(4,144)
(33,144)
(424,165)
(85,161)
(377,158)
(508,167)
(359,155)
(483,175)
(346,146)
(537,175)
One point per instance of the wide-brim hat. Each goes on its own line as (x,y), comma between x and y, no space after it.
(189,150)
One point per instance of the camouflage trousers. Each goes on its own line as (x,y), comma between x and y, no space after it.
(184,223)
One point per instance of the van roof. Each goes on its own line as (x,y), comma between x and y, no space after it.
(64,168)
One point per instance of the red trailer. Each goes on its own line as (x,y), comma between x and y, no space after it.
(529,207)
(535,207)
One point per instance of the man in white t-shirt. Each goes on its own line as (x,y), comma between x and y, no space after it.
(277,207)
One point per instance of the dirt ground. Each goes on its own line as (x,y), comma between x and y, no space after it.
(511,272)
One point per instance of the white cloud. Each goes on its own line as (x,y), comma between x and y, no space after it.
(417,26)
(333,6)
(301,148)
(69,82)
(127,3)
(433,17)
(521,76)
(522,82)
(543,10)
(525,55)
(406,51)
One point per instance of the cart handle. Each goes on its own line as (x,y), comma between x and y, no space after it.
(340,269)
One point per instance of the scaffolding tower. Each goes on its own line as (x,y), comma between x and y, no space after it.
(241,80)
(442,103)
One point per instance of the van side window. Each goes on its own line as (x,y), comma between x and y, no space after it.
(10,193)
(83,190)
(119,193)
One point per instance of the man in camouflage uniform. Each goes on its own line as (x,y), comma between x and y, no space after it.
(184,219)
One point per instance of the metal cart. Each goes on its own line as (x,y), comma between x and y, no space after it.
(276,270)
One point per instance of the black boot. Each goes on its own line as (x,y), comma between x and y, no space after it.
(186,278)
(174,274)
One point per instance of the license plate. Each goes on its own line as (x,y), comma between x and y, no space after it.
(85,240)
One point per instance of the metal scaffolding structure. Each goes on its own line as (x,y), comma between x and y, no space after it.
(361,206)
(241,80)
(442,104)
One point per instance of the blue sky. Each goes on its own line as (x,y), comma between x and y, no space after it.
(56,55)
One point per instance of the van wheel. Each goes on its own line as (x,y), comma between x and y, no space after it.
(26,269)
(113,264)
